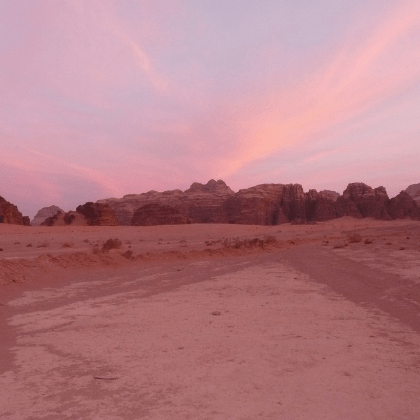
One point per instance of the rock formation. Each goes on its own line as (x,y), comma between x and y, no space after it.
(91,214)
(44,213)
(200,203)
(65,219)
(97,214)
(158,214)
(265,204)
(403,206)
(414,191)
(9,213)
(359,200)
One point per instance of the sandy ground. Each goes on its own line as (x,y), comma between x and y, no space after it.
(205,322)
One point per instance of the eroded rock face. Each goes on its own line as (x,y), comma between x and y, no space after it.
(157,214)
(360,200)
(414,192)
(9,213)
(97,214)
(259,205)
(265,204)
(65,219)
(202,203)
(402,206)
(44,213)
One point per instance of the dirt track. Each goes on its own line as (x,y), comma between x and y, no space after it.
(318,331)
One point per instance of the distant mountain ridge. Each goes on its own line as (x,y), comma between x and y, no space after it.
(265,204)
(215,202)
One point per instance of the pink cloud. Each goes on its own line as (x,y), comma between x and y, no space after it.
(346,88)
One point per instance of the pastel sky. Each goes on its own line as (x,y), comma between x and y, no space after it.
(102,98)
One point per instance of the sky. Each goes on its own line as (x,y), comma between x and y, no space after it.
(102,98)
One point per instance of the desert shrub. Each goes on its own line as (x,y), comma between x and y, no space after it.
(354,238)
(95,250)
(270,240)
(111,244)
(66,245)
(86,240)
(128,254)
(1,249)
(236,243)
(43,245)
(29,245)
(368,241)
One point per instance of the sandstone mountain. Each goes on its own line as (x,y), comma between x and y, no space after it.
(44,213)
(91,214)
(414,191)
(158,214)
(200,203)
(265,204)
(9,213)
(65,219)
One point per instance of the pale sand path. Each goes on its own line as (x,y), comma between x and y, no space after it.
(285,345)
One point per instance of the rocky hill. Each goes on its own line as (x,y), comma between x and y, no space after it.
(200,203)
(44,213)
(91,214)
(9,213)
(265,204)
(157,214)
(414,192)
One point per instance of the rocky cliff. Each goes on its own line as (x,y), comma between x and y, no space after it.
(359,200)
(403,206)
(157,214)
(9,213)
(44,213)
(414,192)
(200,203)
(97,214)
(265,204)
(90,214)
(65,219)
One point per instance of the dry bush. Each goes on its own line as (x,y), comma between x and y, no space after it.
(111,244)
(28,245)
(95,250)
(354,238)
(368,241)
(1,249)
(43,245)
(128,254)
(236,243)
(67,245)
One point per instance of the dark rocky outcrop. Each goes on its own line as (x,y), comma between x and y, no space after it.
(265,204)
(200,203)
(403,206)
(9,213)
(157,214)
(97,214)
(414,191)
(359,200)
(65,219)
(91,214)
(259,205)
(44,213)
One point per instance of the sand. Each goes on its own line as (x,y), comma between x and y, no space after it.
(206,322)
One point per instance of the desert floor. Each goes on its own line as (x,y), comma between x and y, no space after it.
(211,322)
